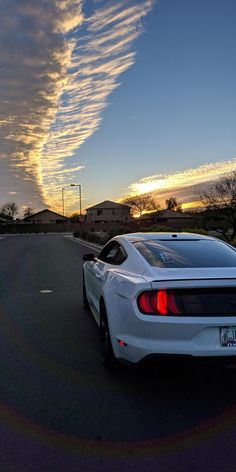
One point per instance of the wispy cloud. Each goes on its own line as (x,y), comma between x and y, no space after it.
(57,69)
(34,57)
(186,185)
(102,51)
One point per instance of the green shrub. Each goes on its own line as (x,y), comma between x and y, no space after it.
(92,237)
(104,237)
(76,234)
(84,234)
(115,231)
(223,237)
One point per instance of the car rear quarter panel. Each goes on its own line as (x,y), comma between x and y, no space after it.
(120,293)
(146,334)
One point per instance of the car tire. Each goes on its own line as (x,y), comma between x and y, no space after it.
(108,358)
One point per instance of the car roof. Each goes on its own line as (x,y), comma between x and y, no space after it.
(132,237)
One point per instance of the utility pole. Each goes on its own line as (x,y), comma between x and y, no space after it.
(63,205)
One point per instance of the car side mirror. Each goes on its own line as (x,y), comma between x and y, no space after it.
(88,257)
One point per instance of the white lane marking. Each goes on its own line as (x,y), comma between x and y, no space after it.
(45,291)
(95,248)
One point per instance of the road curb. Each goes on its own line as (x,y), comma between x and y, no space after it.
(97,247)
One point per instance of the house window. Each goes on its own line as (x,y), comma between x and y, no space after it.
(99,212)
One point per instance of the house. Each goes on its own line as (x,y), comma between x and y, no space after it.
(108,212)
(175,219)
(5,219)
(45,217)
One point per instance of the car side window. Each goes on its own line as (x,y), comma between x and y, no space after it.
(113,253)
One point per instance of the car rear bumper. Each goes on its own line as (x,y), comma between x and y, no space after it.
(146,335)
(181,360)
(188,360)
(199,341)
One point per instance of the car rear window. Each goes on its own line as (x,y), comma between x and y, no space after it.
(186,253)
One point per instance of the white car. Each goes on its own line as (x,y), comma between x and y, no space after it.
(163,294)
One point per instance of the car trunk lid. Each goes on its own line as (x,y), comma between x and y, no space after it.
(192,277)
(197,292)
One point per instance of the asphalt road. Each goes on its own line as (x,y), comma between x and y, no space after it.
(61,411)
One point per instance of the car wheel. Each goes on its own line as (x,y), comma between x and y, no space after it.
(85,300)
(108,358)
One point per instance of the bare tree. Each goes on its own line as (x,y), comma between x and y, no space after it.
(28,212)
(173,204)
(9,209)
(141,203)
(74,218)
(221,198)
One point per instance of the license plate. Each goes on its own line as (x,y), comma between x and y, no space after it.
(228,336)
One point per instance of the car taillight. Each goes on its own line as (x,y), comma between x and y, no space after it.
(158,302)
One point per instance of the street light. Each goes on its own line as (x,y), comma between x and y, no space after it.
(78,185)
(63,201)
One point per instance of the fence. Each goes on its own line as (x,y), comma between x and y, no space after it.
(132,226)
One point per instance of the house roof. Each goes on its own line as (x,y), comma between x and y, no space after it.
(5,217)
(44,211)
(107,204)
(166,214)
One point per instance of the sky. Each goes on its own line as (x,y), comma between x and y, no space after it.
(119,96)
